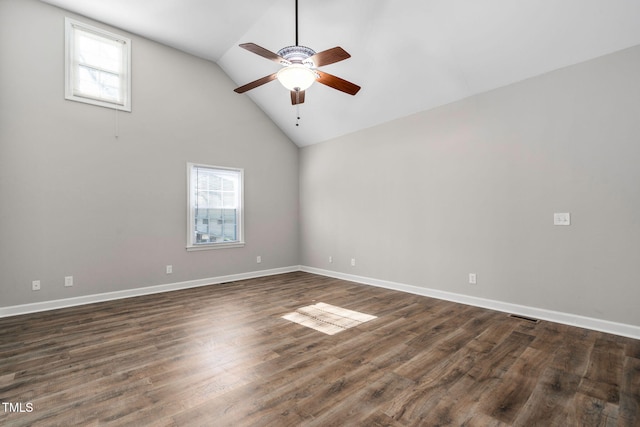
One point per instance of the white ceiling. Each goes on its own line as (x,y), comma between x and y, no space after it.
(408,56)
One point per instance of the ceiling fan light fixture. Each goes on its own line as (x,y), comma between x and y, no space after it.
(300,68)
(296,77)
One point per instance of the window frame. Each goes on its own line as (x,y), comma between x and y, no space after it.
(239,242)
(71,92)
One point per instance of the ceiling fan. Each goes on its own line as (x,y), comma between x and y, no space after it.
(299,70)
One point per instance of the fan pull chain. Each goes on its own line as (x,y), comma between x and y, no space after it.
(297,114)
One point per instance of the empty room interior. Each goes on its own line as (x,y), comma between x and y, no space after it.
(288,213)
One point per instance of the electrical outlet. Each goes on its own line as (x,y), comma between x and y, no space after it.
(562,218)
(472,278)
(259,259)
(35,285)
(353,262)
(169,269)
(330,259)
(68,281)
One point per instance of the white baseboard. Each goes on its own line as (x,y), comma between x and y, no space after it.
(109,296)
(621,329)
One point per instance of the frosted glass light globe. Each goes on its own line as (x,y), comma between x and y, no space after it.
(296,77)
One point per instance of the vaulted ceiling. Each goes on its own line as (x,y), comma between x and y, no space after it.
(408,56)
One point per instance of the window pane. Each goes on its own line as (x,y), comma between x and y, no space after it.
(229,200)
(99,67)
(98,51)
(98,84)
(215,195)
(228,184)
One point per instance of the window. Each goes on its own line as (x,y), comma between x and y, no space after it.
(215,207)
(97,66)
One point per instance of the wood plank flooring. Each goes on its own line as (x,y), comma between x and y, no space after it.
(223,356)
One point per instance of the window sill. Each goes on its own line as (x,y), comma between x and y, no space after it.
(211,246)
(99,102)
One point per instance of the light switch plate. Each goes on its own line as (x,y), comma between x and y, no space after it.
(562,218)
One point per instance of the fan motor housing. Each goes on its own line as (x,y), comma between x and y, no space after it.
(298,55)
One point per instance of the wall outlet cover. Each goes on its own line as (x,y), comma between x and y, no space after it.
(563,218)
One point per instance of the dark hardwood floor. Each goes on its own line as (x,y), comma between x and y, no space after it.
(222,356)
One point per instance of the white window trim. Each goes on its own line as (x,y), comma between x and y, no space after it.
(190,224)
(69,94)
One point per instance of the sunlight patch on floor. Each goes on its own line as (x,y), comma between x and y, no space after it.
(327,318)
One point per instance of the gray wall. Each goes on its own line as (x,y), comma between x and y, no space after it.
(472,187)
(75,200)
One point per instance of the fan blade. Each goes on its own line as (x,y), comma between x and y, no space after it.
(329,56)
(297,97)
(265,53)
(337,83)
(255,83)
